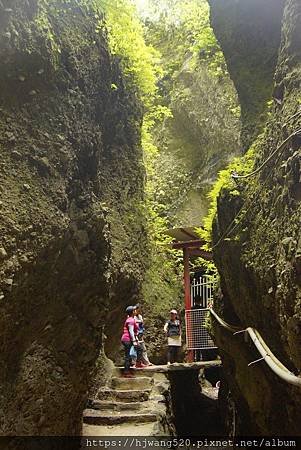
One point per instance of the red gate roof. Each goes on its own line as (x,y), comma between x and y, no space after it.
(188,238)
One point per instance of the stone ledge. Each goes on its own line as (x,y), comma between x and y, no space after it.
(177,367)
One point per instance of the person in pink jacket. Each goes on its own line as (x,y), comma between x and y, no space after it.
(129,339)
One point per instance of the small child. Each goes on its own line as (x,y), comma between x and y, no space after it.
(140,322)
(172,329)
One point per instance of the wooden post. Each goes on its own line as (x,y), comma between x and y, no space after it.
(186,279)
(187,296)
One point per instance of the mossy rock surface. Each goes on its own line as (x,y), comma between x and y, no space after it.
(72,233)
(249,33)
(259,260)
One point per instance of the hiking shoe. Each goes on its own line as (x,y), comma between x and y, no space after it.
(140,365)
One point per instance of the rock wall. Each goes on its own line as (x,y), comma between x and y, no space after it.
(249,33)
(72,234)
(259,263)
(195,413)
(197,142)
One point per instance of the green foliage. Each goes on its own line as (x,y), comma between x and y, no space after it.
(242,165)
(196,26)
(208,267)
(162,287)
(140,64)
(196,142)
(185,23)
(126,37)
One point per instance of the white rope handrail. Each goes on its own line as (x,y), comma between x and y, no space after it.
(231,328)
(270,359)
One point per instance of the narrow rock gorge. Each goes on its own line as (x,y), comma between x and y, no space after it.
(115,126)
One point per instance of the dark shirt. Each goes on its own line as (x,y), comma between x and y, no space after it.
(173,328)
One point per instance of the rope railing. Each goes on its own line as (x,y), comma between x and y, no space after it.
(236,176)
(246,207)
(266,354)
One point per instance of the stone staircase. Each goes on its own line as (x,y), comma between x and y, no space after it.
(128,405)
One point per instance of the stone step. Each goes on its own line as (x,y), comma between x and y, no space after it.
(132,395)
(124,429)
(131,383)
(118,371)
(150,371)
(95,417)
(104,405)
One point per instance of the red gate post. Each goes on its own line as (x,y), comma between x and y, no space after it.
(187,299)
(191,246)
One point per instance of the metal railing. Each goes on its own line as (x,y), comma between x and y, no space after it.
(197,335)
(202,287)
(266,354)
